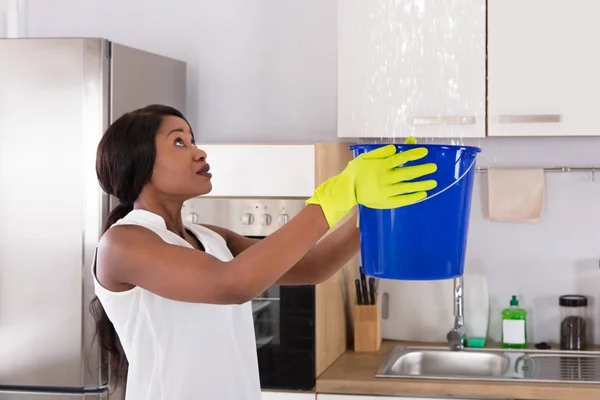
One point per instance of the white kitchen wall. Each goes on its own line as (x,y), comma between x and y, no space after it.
(259,70)
(265,70)
(540,261)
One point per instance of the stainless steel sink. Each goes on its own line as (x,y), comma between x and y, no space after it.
(492,364)
(448,363)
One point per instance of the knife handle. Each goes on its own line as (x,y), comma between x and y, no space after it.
(372,290)
(359,299)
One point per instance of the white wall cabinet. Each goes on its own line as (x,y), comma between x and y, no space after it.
(287,396)
(543,68)
(247,170)
(413,67)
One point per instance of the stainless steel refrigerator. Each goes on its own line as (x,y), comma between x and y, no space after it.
(57,97)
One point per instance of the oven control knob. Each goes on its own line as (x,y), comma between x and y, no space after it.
(283,219)
(247,219)
(266,219)
(192,218)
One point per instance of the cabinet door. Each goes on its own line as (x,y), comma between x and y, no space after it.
(287,396)
(543,67)
(261,170)
(411,68)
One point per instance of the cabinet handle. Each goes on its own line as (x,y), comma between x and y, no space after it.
(385,305)
(443,120)
(528,119)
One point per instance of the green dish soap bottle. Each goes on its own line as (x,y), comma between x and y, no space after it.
(514,326)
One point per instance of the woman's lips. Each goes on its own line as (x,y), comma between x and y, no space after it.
(204,171)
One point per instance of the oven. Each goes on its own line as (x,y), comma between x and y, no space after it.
(284,316)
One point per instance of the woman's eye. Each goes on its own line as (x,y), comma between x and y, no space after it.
(179,142)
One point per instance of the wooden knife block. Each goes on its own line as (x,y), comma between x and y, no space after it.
(367,327)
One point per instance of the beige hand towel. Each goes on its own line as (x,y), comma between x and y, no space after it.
(515,194)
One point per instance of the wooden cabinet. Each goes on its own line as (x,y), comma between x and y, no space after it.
(411,68)
(334,297)
(543,67)
(255,170)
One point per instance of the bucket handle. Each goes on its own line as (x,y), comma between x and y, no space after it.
(452,184)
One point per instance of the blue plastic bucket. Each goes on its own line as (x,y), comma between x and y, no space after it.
(426,240)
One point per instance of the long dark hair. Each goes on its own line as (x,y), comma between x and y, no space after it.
(124,164)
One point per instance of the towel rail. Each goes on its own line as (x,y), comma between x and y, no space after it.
(551,169)
(554,170)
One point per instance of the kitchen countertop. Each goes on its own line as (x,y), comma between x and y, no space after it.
(353,373)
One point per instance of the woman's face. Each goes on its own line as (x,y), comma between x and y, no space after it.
(180,170)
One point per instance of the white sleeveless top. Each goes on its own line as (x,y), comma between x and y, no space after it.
(178,350)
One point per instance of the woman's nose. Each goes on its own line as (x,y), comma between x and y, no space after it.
(199,154)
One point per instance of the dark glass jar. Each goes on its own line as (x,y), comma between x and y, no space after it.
(574,323)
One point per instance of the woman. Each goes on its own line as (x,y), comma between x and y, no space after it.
(173,300)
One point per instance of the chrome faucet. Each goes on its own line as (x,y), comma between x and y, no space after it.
(457,337)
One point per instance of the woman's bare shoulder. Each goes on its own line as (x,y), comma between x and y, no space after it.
(125,238)
(124,245)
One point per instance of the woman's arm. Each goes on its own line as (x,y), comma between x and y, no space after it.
(319,264)
(235,242)
(327,257)
(134,255)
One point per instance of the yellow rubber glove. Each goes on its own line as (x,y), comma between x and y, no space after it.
(409,140)
(376,179)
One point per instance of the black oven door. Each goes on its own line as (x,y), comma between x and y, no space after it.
(285,337)
(284,319)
